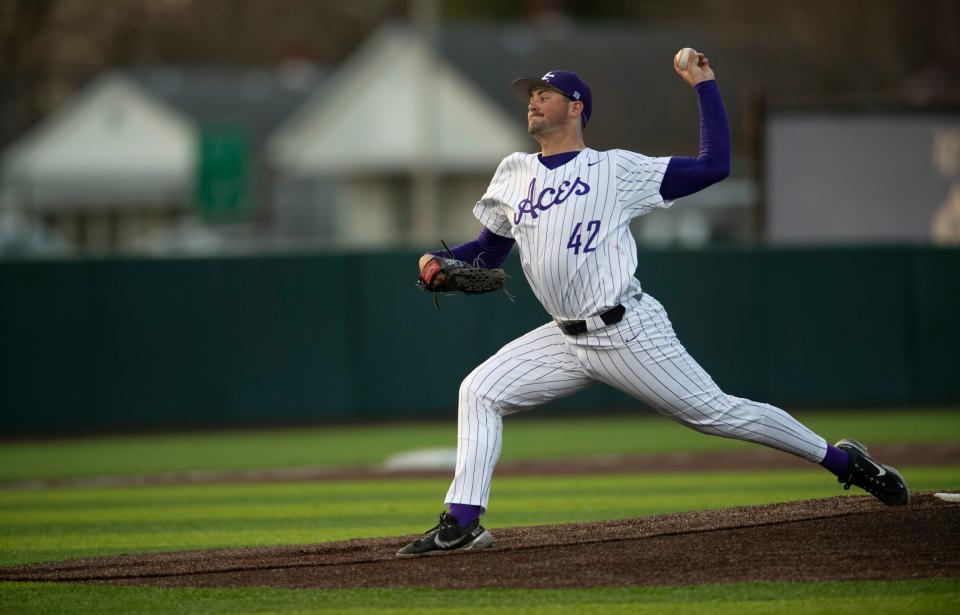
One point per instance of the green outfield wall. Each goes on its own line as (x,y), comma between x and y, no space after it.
(131,344)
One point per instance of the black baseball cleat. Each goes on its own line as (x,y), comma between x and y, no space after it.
(448,536)
(879,480)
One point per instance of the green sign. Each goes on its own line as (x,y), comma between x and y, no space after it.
(223,174)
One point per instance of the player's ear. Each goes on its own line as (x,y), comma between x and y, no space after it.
(576,110)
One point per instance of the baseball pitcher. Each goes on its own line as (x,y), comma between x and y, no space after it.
(568,210)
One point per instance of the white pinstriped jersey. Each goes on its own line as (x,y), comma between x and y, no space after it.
(572,224)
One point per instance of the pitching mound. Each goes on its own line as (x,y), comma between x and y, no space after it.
(831,539)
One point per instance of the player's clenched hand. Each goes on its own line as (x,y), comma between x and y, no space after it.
(698,68)
(443,275)
(432,276)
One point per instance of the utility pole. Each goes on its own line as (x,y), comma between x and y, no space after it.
(424,198)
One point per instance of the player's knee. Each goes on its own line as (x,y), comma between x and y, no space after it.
(706,413)
(742,408)
(473,397)
(469,391)
(733,415)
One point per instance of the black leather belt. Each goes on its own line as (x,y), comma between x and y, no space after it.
(610,317)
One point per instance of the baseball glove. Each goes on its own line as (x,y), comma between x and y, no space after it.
(445,275)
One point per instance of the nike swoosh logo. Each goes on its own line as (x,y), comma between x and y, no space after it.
(590,164)
(444,544)
(880,469)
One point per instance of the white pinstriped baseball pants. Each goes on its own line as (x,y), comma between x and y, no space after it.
(641,356)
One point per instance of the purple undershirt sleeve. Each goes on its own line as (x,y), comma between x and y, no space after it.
(488,250)
(684,176)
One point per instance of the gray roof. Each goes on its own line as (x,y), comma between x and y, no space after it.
(258,99)
(639,102)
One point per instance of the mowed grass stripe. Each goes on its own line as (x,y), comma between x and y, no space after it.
(142,500)
(525,439)
(43,525)
(854,597)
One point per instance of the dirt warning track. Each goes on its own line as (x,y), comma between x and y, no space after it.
(840,538)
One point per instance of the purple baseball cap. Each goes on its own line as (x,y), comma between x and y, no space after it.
(567,83)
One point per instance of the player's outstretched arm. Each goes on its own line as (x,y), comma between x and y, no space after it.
(685,176)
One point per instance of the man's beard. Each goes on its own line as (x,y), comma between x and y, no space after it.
(538,127)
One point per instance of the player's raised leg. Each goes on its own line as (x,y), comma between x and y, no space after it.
(526,373)
(643,357)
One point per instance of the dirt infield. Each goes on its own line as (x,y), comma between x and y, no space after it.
(839,538)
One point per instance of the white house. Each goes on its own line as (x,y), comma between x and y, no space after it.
(395,118)
(110,164)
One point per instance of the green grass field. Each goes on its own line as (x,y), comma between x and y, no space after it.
(853,598)
(68,522)
(524,438)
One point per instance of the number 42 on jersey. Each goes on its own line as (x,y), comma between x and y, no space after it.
(576,237)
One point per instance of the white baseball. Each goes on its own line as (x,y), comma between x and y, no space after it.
(683,56)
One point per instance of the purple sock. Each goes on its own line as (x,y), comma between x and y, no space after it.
(837,461)
(465,514)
